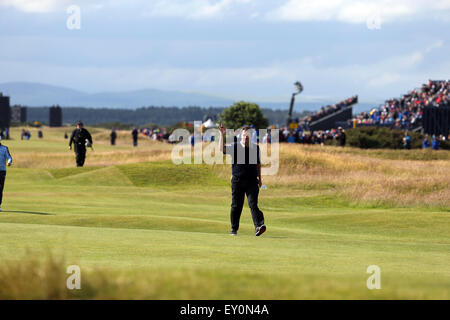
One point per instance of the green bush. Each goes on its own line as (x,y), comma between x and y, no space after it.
(243,113)
(385,138)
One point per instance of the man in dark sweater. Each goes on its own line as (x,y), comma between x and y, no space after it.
(246,180)
(79,137)
(113,137)
(134,134)
(341,137)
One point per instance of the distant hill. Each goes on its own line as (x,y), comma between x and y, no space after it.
(41,95)
(37,94)
(165,116)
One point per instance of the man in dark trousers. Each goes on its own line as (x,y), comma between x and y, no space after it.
(341,137)
(79,137)
(113,137)
(246,180)
(134,134)
(5,159)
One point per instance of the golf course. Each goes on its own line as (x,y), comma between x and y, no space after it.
(141,227)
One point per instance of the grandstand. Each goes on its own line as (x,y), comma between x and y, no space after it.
(327,116)
(426,109)
(436,120)
(412,110)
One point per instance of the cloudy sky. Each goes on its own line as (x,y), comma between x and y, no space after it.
(240,49)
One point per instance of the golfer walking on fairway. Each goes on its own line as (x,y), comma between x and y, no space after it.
(79,137)
(246,180)
(5,157)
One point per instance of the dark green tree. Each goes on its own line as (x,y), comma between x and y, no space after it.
(243,113)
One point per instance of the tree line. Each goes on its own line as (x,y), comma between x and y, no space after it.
(163,116)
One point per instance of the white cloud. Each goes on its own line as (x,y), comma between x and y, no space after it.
(350,11)
(392,76)
(355,11)
(46,6)
(37,6)
(193,9)
(385,79)
(436,45)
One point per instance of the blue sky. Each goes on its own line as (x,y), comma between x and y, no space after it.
(240,49)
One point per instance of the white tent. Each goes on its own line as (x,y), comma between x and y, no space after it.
(209,124)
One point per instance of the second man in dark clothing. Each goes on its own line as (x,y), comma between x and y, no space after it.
(113,137)
(134,134)
(341,137)
(79,137)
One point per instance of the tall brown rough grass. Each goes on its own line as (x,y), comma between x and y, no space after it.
(34,277)
(365,178)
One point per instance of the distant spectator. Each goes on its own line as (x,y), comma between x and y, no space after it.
(267,137)
(291,138)
(407,141)
(113,137)
(435,143)
(426,142)
(134,134)
(341,137)
(25,134)
(255,135)
(40,134)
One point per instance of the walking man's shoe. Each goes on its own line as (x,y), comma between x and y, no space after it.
(233,233)
(260,230)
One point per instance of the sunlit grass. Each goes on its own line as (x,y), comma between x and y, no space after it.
(141,227)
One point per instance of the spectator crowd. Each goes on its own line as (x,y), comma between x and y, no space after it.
(314,137)
(406,112)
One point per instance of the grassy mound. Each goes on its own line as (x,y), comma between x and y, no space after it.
(168,175)
(67,172)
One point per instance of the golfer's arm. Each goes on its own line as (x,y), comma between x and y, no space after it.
(222,142)
(258,164)
(8,155)
(71,139)
(89,137)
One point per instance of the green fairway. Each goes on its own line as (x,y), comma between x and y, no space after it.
(160,231)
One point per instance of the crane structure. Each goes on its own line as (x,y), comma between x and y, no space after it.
(299,88)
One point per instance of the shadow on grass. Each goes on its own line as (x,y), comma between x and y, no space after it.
(29,212)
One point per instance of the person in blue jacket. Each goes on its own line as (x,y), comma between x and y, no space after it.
(426,142)
(5,159)
(407,141)
(435,143)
